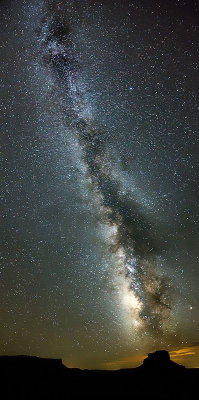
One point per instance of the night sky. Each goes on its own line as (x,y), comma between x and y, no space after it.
(99,149)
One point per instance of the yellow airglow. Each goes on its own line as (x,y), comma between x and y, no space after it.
(126,362)
(187,356)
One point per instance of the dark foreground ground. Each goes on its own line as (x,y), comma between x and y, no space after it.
(24,377)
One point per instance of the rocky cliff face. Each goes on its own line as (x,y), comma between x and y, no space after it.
(160,360)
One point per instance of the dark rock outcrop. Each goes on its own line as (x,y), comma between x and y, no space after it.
(160,360)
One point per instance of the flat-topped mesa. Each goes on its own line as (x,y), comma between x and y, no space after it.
(30,364)
(26,360)
(160,360)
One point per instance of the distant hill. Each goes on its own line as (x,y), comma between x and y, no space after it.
(26,377)
(160,360)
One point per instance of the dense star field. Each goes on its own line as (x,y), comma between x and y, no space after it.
(99,117)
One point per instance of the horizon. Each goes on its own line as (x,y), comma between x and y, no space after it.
(183,356)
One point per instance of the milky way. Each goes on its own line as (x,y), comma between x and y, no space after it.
(131,235)
(100,237)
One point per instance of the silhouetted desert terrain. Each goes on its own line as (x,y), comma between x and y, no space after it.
(26,377)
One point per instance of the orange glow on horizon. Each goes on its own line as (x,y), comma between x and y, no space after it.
(187,356)
(126,362)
